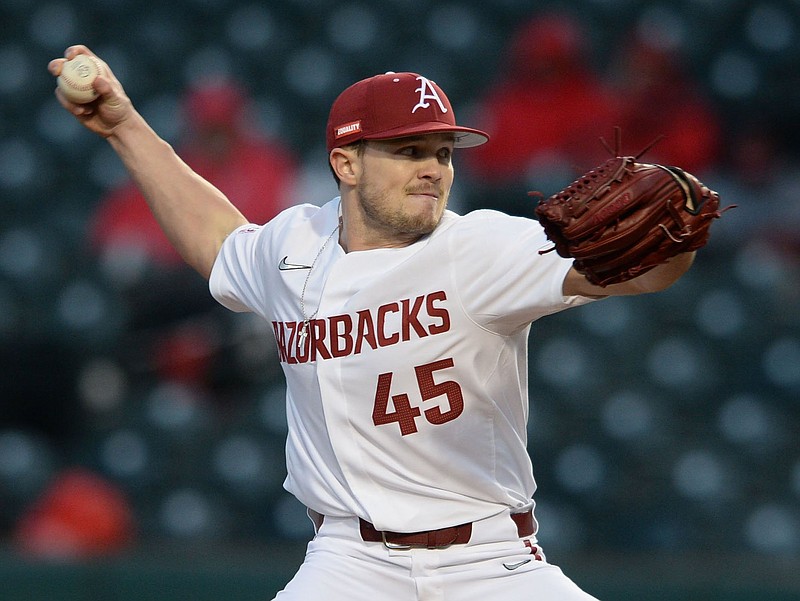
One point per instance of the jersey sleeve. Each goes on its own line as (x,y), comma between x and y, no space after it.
(234,280)
(504,282)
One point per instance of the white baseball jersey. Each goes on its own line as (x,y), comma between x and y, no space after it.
(407,402)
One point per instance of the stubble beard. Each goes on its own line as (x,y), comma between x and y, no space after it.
(389,215)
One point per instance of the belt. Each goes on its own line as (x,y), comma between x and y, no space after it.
(429,539)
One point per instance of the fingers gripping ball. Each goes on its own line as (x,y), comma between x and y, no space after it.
(76,78)
(623,218)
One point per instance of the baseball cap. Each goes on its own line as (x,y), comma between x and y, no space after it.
(395,105)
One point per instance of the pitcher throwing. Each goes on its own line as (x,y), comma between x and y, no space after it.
(402,330)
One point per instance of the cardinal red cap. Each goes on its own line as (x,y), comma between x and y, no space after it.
(395,105)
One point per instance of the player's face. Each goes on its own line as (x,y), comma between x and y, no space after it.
(405,183)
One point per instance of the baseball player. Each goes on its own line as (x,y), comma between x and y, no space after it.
(402,330)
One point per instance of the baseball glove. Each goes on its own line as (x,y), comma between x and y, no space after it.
(623,218)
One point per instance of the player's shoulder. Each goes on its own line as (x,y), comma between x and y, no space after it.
(479,235)
(484,215)
(486,221)
(304,215)
(296,222)
(304,212)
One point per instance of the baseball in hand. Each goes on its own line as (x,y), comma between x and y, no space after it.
(77,76)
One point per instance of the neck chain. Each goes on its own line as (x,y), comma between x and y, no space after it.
(307,318)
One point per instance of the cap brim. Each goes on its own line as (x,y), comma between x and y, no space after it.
(465,137)
(470,138)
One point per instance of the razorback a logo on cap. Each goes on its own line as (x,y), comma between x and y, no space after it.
(427,92)
(354,127)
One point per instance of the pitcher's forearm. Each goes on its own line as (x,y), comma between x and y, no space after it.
(194,214)
(658,279)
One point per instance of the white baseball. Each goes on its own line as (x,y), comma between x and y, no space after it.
(77,76)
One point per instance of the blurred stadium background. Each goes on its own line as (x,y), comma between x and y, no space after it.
(664,430)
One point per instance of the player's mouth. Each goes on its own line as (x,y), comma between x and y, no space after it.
(425,192)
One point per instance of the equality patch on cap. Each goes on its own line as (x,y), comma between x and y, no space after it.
(354,127)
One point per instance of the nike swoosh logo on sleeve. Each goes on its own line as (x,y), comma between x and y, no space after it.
(284,266)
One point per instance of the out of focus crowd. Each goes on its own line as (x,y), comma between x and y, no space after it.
(133,408)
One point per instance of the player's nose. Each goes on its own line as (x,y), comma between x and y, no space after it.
(430,169)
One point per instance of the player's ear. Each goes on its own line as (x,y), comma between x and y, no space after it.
(345,164)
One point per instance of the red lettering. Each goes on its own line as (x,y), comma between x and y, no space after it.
(411,318)
(383,339)
(343,334)
(318,329)
(404,414)
(438,312)
(365,331)
(290,346)
(280,340)
(429,389)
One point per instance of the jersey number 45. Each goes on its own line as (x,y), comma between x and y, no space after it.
(405,414)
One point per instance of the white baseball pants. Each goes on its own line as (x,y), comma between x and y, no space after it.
(495,565)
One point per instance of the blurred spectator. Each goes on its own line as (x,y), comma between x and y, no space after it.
(220,144)
(79,515)
(657,96)
(757,155)
(167,300)
(760,173)
(546,112)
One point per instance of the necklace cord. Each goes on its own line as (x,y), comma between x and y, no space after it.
(307,318)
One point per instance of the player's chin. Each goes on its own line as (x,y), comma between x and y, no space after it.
(424,219)
(422,226)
